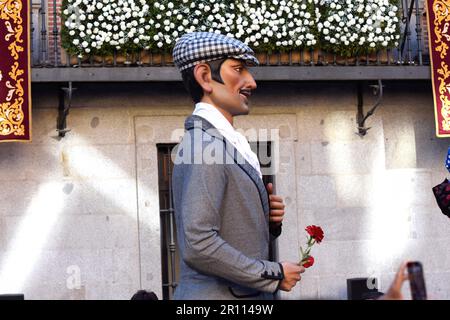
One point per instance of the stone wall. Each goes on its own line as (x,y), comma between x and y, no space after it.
(79,216)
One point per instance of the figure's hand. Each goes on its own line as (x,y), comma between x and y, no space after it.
(276,206)
(292,275)
(395,291)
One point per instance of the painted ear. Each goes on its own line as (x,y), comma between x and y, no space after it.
(202,74)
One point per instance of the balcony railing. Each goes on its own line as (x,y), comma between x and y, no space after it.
(396,63)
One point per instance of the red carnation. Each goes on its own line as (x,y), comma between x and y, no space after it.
(315,232)
(308,262)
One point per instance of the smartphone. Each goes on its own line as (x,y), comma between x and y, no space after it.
(416,280)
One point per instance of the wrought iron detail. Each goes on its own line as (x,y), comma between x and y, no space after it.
(65,101)
(361,117)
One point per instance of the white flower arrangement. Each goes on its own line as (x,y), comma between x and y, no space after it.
(172,19)
(275,24)
(345,27)
(352,27)
(96,26)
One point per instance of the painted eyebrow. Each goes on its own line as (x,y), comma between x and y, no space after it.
(239,64)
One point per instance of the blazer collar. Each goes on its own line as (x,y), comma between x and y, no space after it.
(194,121)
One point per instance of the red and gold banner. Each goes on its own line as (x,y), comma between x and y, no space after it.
(439,39)
(15,93)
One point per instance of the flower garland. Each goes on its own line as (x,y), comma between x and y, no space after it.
(344,27)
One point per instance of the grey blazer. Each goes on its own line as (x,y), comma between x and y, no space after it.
(222,219)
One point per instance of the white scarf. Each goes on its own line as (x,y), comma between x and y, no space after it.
(218,120)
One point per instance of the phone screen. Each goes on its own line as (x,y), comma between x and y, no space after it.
(417,281)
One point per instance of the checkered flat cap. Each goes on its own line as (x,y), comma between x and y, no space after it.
(200,47)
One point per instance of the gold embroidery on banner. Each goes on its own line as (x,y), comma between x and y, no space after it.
(443,91)
(441,11)
(14,47)
(11,114)
(11,9)
(10,30)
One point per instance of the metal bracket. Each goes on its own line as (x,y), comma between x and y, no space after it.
(360,117)
(65,101)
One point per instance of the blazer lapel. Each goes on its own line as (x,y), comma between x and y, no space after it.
(196,122)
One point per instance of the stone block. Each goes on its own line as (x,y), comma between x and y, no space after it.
(99,161)
(3,239)
(432,254)
(424,125)
(126,267)
(438,175)
(303,158)
(100,197)
(127,95)
(397,125)
(351,157)
(99,126)
(268,127)
(347,258)
(431,153)
(404,187)
(150,263)
(325,125)
(309,287)
(30,162)
(284,160)
(16,196)
(306,96)
(401,153)
(355,190)
(44,126)
(93,232)
(437,285)
(333,287)
(340,224)
(316,191)
(400,140)
(104,274)
(429,223)
(149,129)
(120,291)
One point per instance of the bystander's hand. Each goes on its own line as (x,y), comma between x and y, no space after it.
(395,290)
